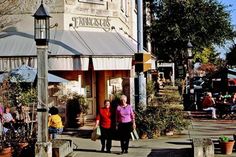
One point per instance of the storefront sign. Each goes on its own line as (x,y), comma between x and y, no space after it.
(91,22)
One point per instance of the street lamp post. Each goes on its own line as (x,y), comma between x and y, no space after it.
(43,148)
(190,72)
(140,80)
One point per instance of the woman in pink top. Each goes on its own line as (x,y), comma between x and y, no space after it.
(126,123)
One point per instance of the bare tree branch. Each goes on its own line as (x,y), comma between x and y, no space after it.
(8,8)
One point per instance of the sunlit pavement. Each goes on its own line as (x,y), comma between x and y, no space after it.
(169,146)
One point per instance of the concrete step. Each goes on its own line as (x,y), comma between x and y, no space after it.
(73,154)
(200,114)
(61,147)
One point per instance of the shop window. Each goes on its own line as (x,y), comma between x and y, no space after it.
(88,83)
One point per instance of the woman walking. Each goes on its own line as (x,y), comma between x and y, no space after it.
(104,121)
(125,122)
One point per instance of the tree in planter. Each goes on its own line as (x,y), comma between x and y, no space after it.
(114,103)
(77,108)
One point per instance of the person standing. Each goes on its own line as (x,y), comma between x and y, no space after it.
(233,103)
(103,120)
(125,122)
(1,119)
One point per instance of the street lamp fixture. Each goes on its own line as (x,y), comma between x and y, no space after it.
(189,49)
(41,25)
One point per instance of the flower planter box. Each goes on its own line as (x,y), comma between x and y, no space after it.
(6,152)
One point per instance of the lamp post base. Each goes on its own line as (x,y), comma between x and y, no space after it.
(43,149)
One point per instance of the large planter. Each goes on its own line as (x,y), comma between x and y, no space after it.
(81,119)
(227,147)
(23,144)
(6,152)
(169,133)
(144,135)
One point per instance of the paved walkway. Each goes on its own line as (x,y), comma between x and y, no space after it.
(166,146)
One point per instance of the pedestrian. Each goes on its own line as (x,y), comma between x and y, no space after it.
(7,119)
(1,109)
(1,119)
(22,116)
(125,123)
(208,104)
(55,125)
(103,120)
(232,102)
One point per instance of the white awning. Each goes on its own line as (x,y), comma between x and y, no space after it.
(9,63)
(54,63)
(68,63)
(112,63)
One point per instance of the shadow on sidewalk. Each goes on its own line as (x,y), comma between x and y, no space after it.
(182,152)
(79,133)
(97,151)
(181,143)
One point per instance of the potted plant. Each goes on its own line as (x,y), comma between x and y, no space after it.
(77,108)
(226,145)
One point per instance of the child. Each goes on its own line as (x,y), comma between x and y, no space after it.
(54,123)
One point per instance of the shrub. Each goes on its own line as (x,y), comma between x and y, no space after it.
(79,102)
(76,108)
(160,119)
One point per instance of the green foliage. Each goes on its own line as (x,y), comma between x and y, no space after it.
(224,139)
(205,23)
(28,96)
(116,98)
(150,88)
(79,103)
(231,56)
(160,119)
(207,55)
(16,92)
(169,96)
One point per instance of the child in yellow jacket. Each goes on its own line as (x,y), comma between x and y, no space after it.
(55,125)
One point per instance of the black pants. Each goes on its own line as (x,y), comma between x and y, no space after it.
(106,138)
(124,130)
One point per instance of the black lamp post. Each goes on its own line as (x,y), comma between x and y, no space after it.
(41,35)
(190,73)
(190,69)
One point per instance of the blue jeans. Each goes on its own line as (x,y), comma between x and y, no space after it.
(54,131)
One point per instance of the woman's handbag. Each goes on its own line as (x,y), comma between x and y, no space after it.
(134,135)
(96,134)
